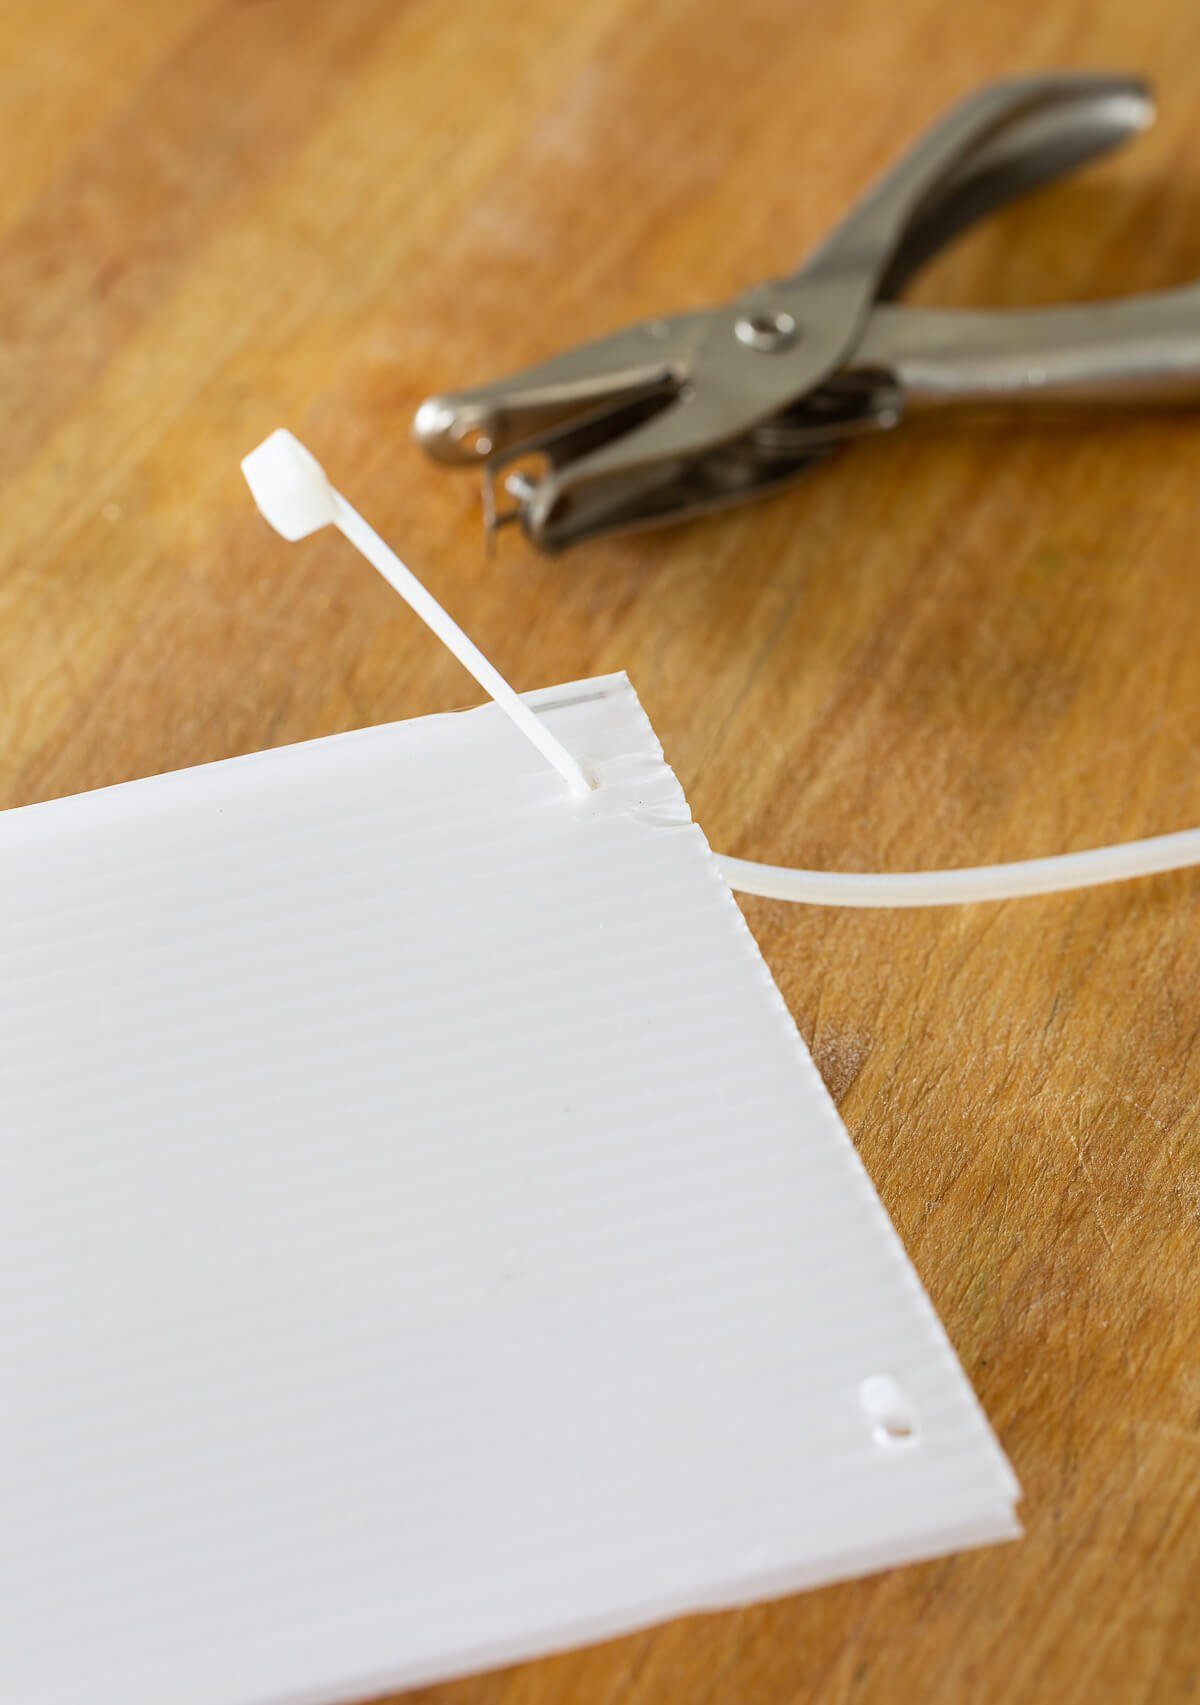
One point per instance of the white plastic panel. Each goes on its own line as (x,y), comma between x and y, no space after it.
(424,1238)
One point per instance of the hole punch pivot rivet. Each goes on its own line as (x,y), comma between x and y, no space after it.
(765,331)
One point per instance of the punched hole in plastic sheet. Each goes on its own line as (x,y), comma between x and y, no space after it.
(894,1419)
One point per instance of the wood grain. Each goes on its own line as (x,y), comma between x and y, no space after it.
(955,645)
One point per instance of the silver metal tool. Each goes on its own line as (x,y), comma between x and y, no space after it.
(675,416)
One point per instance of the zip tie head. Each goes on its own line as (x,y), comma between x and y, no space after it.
(289,486)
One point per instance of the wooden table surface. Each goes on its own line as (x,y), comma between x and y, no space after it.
(949,646)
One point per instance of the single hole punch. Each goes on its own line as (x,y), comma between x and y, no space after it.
(293,493)
(690,412)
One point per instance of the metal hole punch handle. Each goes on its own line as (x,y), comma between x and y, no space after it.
(1145,349)
(1004,140)
(1051,127)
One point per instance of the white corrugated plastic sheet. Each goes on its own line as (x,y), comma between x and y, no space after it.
(424,1239)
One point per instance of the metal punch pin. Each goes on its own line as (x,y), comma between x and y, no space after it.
(676,416)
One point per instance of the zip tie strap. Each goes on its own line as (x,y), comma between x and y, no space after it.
(292,491)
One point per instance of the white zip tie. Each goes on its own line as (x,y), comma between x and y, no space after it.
(293,493)
(1015,881)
